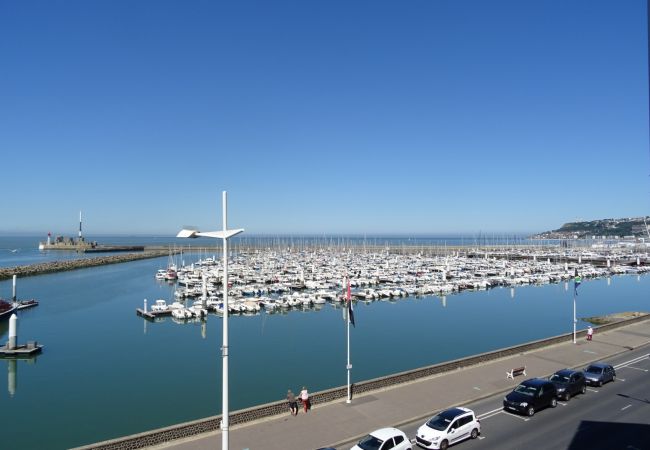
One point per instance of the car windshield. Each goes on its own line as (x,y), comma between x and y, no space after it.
(526,390)
(370,442)
(439,422)
(560,378)
(594,369)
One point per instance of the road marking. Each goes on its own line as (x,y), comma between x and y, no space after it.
(525,419)
(492,415)
(620,379)
(626,407)
(592,390)
(481,438)
(637,368)
(477,388)
(560,403)
(589,351)
(632,361)
(480,416)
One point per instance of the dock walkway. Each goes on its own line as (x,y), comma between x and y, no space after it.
(337,423)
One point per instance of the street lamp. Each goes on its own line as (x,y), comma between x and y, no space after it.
(225,234)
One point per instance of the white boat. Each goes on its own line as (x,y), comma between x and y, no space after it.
(160,275)
(182,313)
(159,306)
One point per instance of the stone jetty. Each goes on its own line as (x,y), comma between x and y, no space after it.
(60,266)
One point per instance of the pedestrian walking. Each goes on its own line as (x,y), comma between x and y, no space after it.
(590,333)
(293,404)
(304,396)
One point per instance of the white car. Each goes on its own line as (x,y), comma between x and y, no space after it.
(384,439)
(448,427)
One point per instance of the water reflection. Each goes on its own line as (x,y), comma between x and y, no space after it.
(12,372)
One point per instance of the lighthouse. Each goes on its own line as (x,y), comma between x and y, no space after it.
(81,239)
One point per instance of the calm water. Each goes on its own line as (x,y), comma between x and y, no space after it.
(106,373)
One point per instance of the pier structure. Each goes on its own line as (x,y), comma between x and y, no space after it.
(12,348)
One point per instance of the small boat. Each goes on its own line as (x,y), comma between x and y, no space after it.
(6,309)
(159,306)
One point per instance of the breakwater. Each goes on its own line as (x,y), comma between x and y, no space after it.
(211,424)
(61,266)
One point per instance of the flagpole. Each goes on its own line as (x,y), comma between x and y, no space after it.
(349,366)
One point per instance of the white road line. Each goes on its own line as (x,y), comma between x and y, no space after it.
(489,412)
(477,388)
(525,419)
(481,438)
(637,368)
(620,379)
(632,361)
(592,390)
(626,407)
(560,403)
(589,351)
(491,415)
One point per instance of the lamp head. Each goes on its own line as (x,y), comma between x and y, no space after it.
(191,233)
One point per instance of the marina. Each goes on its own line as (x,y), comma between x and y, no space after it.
(98,382)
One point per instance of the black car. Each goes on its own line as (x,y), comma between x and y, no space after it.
(598,374)
(530,396)
(569,383)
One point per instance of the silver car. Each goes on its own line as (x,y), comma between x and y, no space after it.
(598,374)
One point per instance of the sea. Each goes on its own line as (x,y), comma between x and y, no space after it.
(106,372)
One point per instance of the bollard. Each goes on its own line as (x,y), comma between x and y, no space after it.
(14,289)
(145,305)
(13,332)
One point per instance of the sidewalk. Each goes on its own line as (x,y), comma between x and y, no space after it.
(338,422)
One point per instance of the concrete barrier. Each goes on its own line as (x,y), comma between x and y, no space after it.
(188,429)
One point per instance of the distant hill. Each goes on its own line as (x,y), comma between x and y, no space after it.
(604,228)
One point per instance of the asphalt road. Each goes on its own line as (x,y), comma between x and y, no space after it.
(614,416)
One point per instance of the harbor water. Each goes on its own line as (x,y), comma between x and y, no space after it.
(106,373)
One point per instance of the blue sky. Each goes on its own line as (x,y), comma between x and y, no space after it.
(325,117)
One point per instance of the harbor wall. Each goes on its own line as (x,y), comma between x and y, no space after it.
(61,266)
(211,424)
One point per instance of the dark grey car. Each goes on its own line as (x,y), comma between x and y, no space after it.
(569,383)
(531,396)
(598,374)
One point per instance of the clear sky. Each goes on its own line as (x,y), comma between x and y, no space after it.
(324,117)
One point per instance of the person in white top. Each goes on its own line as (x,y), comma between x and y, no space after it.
(304,396)
(590,333)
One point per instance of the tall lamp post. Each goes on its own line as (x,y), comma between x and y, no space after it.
(225,235)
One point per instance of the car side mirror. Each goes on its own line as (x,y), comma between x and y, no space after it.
(453,430)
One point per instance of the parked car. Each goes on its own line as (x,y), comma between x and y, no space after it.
(598,374)
(569,383)
(531,396)
(383,439)
(448,427)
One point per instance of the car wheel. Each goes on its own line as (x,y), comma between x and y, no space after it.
(567,396)
(444,444)
(474,433)
(584,389)
(553,402)
(530,411)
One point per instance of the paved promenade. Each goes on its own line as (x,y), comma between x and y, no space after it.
(336,423)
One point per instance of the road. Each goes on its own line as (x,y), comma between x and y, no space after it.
(614,416)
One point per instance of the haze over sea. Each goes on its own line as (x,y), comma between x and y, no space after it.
(106,372)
